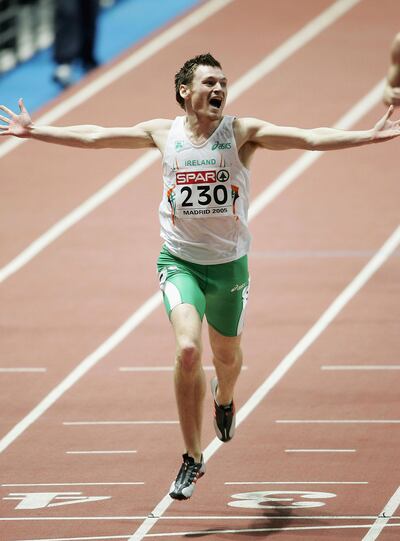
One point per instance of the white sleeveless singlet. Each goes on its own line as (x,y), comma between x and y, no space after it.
(203,212)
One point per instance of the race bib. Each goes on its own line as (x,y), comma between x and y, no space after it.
(197,194)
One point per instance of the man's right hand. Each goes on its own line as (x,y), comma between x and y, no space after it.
(15,124)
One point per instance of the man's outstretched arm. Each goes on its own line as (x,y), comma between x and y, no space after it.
(274,137)
(142,135)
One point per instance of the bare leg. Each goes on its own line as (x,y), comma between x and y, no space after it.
(189,376)
(228,363)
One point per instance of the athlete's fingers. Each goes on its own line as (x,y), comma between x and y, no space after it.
(6,110)
(4,119)
(22,107)
(390,111)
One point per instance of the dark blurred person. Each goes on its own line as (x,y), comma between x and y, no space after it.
(391,95)
(75,37)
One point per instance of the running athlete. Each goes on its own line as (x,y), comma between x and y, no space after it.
(203,213)
(391,94)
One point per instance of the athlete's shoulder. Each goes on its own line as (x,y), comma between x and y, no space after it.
(156,125)
(245,128)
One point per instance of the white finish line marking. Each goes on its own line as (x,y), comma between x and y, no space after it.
(99,452)
(88,423)
(22,370)
(385,515)
(297,483)
(195,517)
(71,484)
(339,421)
(361,367)
(320,450)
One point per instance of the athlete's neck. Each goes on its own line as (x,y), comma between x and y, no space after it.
(199,129)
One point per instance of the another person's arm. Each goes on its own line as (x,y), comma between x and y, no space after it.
(142,135)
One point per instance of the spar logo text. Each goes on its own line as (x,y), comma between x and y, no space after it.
(201,177)
(196,177)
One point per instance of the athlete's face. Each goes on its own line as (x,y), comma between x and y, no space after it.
(206,95)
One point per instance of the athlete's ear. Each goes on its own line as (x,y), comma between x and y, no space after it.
(184,91)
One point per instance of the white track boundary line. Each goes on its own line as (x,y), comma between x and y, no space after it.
(385,515)
(251,77)
(283,367)
(122,68)
(265,198)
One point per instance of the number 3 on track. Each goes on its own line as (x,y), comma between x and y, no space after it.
(285,499)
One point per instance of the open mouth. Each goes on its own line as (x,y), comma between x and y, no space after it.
(216,102)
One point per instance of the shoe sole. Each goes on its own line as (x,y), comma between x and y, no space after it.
(188,490)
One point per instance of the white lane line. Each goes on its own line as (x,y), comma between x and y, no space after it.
(250,78)
(339,421)
(86,423)
(22,370)
(320,450)
(385,516)
(83,367)
(361,367)
(71,484)
(206,367)
(129,451)
(139,56)
(309,338)
(198,517)
(297,483)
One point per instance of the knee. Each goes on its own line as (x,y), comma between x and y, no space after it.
(229,358)
(188,356)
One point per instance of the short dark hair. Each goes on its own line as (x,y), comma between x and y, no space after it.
(186,73)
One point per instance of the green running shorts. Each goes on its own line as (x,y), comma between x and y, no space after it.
(219,292)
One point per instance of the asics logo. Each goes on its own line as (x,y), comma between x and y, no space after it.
(221,146)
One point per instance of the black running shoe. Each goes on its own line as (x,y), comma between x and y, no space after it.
(224,416)
(183,486)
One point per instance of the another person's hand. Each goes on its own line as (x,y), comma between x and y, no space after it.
(15,124)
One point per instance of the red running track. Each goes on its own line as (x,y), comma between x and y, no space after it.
(316,452)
